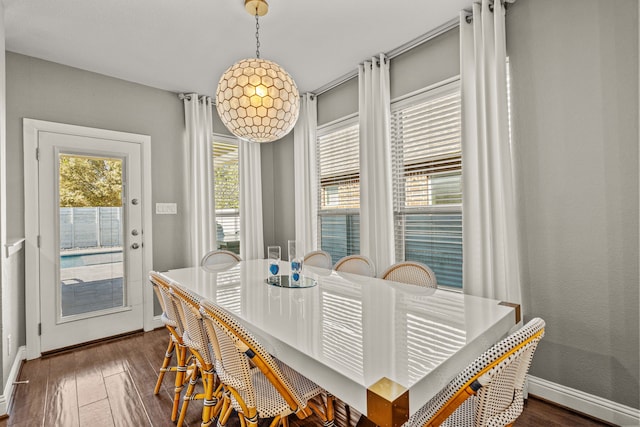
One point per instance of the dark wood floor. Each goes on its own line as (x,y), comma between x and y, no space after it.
(111,384)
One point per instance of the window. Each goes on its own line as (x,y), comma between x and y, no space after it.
(427,179)
(227,193)
(339,189)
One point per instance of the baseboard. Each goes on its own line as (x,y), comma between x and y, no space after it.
(586,403)
(7,394)
(157,323)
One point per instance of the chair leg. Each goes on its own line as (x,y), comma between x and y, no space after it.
(331,412)
(165,364)
(225,411)
(181,370)
(211,402)
(188,396)
(251,418)
(323,410)
(347,411)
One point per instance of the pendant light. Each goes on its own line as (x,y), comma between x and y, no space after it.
(257,100)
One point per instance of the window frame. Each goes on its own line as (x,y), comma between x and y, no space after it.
(323,130)
(226,213)
(400,210)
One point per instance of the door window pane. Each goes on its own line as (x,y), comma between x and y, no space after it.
(91,234)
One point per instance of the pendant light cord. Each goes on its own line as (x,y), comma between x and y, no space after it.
(257,36)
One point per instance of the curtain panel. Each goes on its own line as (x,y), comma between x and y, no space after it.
(251,230)
(491,261)
(376,196)
(201,213)
(305,174)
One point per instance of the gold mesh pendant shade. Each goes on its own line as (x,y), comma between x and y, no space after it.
(257,100)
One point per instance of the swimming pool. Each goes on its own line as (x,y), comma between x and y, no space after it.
(86,259)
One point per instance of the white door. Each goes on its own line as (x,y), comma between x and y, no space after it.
(90,229)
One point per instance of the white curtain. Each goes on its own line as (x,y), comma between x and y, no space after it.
(305,174)
(490,235)
(376,197)
(251,234)
(200,207)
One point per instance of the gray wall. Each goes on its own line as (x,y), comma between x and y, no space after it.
(277,192)
(338,102)
(8,313)
(44,90)
(427,64)
(575,105)
(575,102)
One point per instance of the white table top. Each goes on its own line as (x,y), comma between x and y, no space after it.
(350,331)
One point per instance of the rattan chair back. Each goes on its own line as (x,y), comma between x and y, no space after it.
(219,257)
(489,391)
(320,259)
(156,291)
(195,337)
(356,264)
(171,311)
(174,322)
(411,272)
(234,347)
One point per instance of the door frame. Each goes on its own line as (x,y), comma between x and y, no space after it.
(31,130)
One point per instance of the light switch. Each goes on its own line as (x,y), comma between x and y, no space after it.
(166,208)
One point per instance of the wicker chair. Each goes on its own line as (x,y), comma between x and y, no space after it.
(489,391)
(413,273)
(197,340)
(320,259)
(356,264)
(269,388)
(219,257)
(172,321)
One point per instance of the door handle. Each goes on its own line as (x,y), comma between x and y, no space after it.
(135,246)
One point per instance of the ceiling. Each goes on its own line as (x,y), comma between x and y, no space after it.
(186,45)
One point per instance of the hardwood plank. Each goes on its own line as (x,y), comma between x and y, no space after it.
(113,365)
(61,403)
(126,405)
(159,409)
(29,399)
(57,384)
(142,372)
(154,345)
(29,422)
(538,412)
(89,380)
(96,414)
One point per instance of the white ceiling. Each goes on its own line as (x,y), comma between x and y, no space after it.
(186,45)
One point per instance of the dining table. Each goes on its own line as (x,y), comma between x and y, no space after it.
(384,348)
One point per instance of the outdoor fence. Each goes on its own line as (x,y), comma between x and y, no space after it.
(90,227)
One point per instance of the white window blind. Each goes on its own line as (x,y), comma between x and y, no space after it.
(427,172)
(339,169)
(227,193)
(339,189)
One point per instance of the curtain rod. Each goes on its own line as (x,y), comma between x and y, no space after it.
(394,53)
(453,23)
(183,96)
(187,96)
